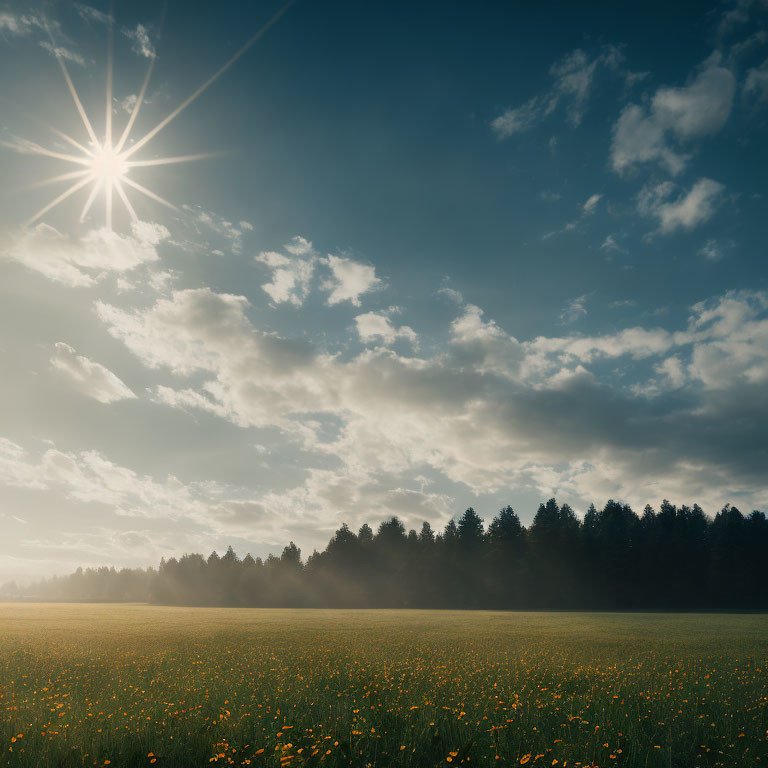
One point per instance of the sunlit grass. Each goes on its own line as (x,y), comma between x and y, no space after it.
(137,685)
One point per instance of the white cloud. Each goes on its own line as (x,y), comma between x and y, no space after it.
(672,368)
(729,338)
(9,23)
(586,209)
(220,226)
(702,107)
(574,309)
(590,206)
(64,53)
(15,469)
(24,24)
(519,119)
(187,332)
(652,133)
(291,274)
(349,280)
(90,477)
(85,261)
(88,14)
(489,412)
(573,78)
(451,294)
(711,251)
(545,356)
(299,246)
(141,44)
(149,232)
(92,379)
(611,246)
(482,345)
(686,211)
(373,326)
(128,103)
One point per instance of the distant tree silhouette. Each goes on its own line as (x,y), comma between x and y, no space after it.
(676,558)
(554,547)
(470,560)
(505,572)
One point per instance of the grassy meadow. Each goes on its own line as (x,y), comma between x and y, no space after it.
(136,685)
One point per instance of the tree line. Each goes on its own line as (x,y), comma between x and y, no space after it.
(673,558)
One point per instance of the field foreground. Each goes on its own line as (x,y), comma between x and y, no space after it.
(135,685)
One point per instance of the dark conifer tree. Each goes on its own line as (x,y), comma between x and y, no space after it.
(505,569)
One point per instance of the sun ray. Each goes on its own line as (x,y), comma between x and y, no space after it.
(136,108)
(91,197)
(15,106)
(210,81)
(106,164)
(126,201)
(30,148)
(172,160)
(149,193)
(61,177)
(108,117)
(72,141)
(63,196)
(71,86)
(108,204)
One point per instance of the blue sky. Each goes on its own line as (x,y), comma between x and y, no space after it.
(443,255)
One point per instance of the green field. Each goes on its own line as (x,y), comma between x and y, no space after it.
(133,685)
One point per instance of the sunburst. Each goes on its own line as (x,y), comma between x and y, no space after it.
(103,164)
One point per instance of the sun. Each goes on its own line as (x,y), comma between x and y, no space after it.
(104,164)
(108,166)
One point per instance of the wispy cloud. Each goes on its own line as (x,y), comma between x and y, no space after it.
(35,27)
(22,24)
(89,377)
(451,294)
(590,206)
(141,43)
(574,310)
(586,209)
(716,249)
(610,245)
(88,13)
(573,77)
(220,225)
(63,52)
(87,260)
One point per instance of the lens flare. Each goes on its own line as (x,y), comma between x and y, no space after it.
(106,164)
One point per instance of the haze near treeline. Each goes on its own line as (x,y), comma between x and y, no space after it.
(673,559)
